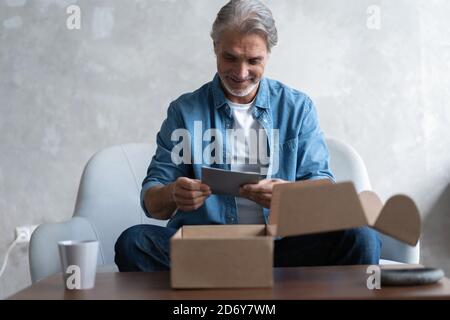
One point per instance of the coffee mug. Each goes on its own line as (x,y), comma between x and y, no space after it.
(78,263)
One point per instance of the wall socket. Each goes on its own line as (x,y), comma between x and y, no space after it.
(23,233)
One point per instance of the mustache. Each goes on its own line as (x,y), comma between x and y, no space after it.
(251,78)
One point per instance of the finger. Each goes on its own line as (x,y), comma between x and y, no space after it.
(189,184)
(191,200)
(261,200)
(205,188)
(188,194)
(243,192)
(263,197)
(202,186)
(272,181)
(248,195)
(258,196)
(258,187)
(195,184)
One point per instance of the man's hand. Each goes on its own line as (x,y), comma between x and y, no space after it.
(189,194)
(261,192)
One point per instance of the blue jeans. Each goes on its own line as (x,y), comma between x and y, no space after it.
(146,248)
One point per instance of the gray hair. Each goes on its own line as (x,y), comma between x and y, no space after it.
(247,17)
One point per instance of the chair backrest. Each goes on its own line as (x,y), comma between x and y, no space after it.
(108,195)
(347,165)
(109,191)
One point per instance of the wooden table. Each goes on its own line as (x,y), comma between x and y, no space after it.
(343,282)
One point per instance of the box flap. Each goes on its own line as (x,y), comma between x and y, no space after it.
(314,206)
(225,231)
(319,206)
(400,219)
(372,206)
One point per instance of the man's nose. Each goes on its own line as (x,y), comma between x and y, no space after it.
(242,71)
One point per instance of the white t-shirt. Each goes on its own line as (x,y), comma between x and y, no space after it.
(245,159)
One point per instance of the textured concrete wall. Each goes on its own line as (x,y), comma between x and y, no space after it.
(65,94)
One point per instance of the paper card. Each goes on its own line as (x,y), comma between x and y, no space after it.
(228,182)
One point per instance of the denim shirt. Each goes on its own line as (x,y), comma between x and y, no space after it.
(300,144)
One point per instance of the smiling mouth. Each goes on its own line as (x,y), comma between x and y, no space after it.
(238,81)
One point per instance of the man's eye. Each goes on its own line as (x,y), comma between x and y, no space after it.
(229,58)
(254,61)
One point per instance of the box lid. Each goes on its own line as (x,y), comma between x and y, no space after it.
(315,206)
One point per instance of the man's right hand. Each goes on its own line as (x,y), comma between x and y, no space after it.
(189,194)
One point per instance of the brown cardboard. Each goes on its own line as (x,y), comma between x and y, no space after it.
(221,256)
(310,207)
(236,256)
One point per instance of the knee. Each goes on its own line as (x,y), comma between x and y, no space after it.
(127,242)
(365,244)
(143,248)
(133,245)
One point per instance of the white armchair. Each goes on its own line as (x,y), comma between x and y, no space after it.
(108,203)
(347,165)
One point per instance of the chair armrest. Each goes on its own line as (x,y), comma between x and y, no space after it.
(43,250)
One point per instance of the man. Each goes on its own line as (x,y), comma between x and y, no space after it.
(239,98)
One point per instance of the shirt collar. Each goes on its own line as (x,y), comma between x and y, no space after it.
(261,100)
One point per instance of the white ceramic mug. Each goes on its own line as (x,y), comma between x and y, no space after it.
(78,263)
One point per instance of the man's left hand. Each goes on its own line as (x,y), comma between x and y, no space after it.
(260,192)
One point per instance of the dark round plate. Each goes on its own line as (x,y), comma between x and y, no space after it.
(410,277)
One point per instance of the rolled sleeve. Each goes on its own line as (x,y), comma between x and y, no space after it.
(313,156)
(162,170)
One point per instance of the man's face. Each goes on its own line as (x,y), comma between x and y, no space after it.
(241,60)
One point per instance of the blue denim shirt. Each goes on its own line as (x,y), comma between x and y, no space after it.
(301,148)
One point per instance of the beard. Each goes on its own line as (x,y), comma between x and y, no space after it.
(241,92)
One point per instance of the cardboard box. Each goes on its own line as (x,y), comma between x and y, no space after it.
(234,256)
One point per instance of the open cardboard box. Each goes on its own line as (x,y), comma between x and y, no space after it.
(234,256)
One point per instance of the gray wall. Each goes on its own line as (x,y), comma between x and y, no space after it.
(64,94)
